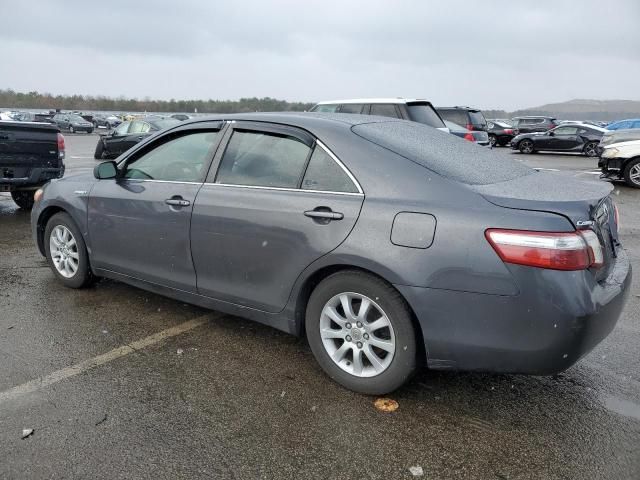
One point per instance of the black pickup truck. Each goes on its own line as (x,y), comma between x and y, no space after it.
(31,154)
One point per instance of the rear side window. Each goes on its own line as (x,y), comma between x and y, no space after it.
(263,159)
(324,174)
(424,113)
(384,110)
(351,108)
(477,118)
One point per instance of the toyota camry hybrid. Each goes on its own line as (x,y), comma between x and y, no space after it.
(389,244)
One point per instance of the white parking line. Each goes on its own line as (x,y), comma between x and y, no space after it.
(114,354)
(75,156)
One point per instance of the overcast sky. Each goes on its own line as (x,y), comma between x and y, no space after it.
(482,53)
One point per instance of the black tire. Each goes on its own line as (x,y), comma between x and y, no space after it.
(493,141)
(23,198)
(526,146)
(632,168)
(591,149)
(404,360)
(99,153)
(83,276)
(90,131)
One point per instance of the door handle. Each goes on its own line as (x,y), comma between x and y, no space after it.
(177,202)
(324,214)
(140,137)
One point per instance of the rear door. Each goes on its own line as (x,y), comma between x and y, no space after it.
(139,223)
(278,201)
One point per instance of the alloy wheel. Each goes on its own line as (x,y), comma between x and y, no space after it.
(591,150)
(526,146)
(634,174)
(64,251)
(357,334)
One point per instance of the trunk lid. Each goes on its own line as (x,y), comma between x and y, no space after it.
(585,203)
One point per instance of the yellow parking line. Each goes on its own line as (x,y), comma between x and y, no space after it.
(114,354)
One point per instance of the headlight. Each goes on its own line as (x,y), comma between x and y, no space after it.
(610,152)
(38,195)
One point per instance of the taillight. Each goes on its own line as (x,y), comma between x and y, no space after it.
(508,131)
(469,136)
(60,146)
(552,250)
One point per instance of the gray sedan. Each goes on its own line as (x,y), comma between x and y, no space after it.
(387,243)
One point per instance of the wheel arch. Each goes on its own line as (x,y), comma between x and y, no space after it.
(41,225)
(309,283)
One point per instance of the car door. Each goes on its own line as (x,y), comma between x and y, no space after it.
(136,133)
(278,201)
(564,138)
(139,222)
(115,140)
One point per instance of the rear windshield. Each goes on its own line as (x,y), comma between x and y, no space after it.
(424,113)
(443,153)
(477,118)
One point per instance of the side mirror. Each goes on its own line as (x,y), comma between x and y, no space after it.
(105,170)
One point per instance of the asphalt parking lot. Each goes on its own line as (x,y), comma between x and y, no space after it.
(120,383)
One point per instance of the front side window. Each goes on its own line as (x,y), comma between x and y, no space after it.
(351,108)
(566,131)
(122,129)
(384,110)
(181,159)
(263,159)
(324,174)
(325,108)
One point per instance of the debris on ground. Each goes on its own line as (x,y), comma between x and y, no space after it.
(27,432)
(10,327)
(180,351)
(386,405)
(416,471)
(102,420)
(282,394)
(314,408)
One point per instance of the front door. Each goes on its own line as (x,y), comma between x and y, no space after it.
(278,202)
(139,223)
(564,138)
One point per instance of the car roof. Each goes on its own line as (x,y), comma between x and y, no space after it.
(396,100)
(470,109)
(537,116)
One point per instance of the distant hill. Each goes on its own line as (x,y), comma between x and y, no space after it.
(578,109)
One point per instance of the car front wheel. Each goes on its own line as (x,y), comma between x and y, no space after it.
(361,332)
(591,149)
(525,146)
(632,173)
(66,252)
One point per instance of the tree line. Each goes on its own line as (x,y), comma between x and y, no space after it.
(46,101)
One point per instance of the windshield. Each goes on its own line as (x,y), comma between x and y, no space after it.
(76,118)
(424,113)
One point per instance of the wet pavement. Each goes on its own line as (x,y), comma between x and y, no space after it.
(116,384)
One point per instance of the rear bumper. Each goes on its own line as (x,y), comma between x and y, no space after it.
(556,319)
(37,177)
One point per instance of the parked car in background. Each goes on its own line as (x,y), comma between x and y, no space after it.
(72,123)
(181,116)
(624,124)
(127,134)
(621,161)
(326,227)
(533,124)
(420,111)
(500,133)
(577,137)
(106,121)
(470,118)
(477,136)
(618,136)
(31,154)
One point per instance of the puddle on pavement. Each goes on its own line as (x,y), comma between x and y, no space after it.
(622,407)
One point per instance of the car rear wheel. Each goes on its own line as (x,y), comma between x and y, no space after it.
(361,332)
(591,149)
(632,173)
(525,146)
(22,198)
(66,252)
(493,140)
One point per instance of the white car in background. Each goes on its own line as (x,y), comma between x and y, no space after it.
(621,161)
